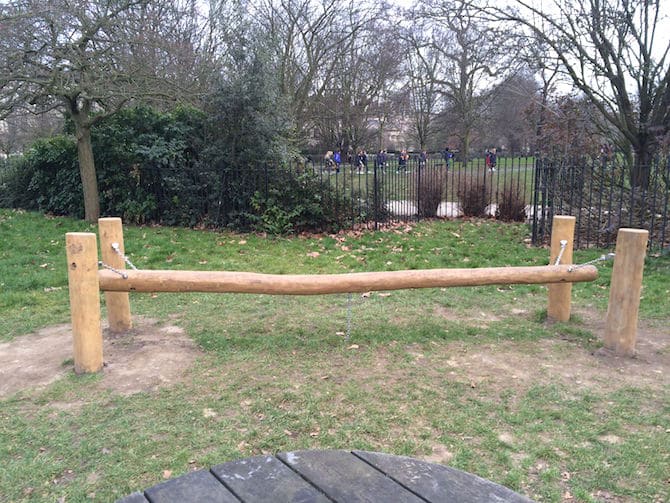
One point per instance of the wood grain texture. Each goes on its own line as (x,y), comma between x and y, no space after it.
(82,265)
(297,284)
(200,486)
(345,477)
(438,482)
(625,290)
(118,304)
(265,478)
(560,294)
(320,476)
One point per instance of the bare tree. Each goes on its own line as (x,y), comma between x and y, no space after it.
(21,129)
(474,59)
(311,40)
(616,53)
(422,66)
(89,59)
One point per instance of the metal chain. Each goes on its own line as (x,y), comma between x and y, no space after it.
(602,258)
(564,244)
(113,269)
(348,334)
(117,250)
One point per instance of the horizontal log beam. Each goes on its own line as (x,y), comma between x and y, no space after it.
(306,284)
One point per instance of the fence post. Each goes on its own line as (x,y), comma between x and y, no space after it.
(118,303)
(625,290)
(82,267)
(560,294)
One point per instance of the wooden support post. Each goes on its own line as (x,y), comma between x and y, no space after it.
(82,267)
(560,295)
(625,290)
(118,303)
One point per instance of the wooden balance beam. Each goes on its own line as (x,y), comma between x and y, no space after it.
(310,284)
(86,281)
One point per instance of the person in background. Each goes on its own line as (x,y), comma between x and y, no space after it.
(402,161)
(423,159)
(337,159)
(492,159)
(381,159)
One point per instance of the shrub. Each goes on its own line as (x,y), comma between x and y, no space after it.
(511,204)
(15,176)
(295,202)
(473,195)
(428,189)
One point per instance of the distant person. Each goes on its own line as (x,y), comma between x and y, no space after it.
(380,161)
(328,160)
(402,161)
(448,155)
(487,159)
(423,159)
(337,159)
(362,161)
(492,159)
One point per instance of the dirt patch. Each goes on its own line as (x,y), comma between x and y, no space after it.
(155,354)
(147,357)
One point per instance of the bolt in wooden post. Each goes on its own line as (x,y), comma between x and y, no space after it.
(118,303)
(560,294)
(625,290)
(82,267)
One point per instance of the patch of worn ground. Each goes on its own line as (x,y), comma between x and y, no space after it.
(154,355)
(149,356)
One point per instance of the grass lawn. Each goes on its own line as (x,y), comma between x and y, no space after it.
(394,185)
(470,377)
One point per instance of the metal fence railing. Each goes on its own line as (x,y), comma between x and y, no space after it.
(599,194)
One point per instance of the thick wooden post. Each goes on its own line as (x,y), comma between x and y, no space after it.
(560,294)
(118,304)
(625,290)
(82,267)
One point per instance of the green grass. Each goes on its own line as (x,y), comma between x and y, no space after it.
(276,373)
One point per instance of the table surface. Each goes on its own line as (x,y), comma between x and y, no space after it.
(323,476)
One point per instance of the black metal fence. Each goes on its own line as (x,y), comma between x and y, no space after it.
(599,194)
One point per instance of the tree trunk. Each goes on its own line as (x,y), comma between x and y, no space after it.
(641,167)
(89,181)
(465,142)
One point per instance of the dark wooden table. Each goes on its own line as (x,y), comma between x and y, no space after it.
(323,476)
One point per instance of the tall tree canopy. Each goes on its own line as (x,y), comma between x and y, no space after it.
(616,53)
(89,58)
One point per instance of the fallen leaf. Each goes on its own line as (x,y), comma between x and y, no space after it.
(242,242)
(202,262)
(340,333)
(365,295)
(313,254)
(455,234)
(385,294)
(44,266)
(208,413)
(353,346)
(167,474)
